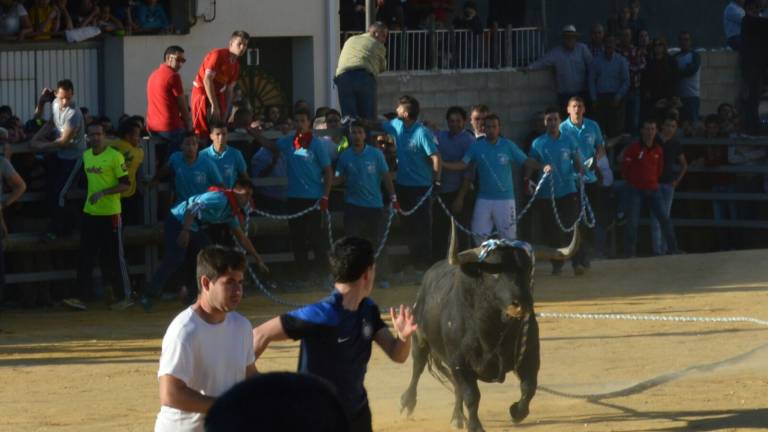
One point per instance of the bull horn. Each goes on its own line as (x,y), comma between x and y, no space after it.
(560,254)
(453,253)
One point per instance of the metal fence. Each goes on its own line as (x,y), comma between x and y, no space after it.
(25,68)
(422,50)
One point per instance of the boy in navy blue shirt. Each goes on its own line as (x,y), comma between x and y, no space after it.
(337,333)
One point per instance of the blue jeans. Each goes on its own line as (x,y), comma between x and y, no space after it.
(175,256)
(357,93)
(653,199)
(658,243)
(170,142)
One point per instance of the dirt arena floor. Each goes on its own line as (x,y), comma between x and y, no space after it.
(95,371)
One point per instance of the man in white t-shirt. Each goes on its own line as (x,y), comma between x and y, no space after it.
(208,348)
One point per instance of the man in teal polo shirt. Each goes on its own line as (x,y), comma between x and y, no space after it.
(561,152)
(591,144)
(418,168)
(493,156)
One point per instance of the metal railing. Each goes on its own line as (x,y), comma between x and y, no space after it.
(423,50)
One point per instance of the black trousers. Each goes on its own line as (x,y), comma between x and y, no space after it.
(548,230)
(418,226)
(307,233)
(361,421)
(582,256)
(101,239)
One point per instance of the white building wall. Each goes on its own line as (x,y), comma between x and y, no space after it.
(260,18)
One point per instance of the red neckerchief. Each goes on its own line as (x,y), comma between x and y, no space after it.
(302,140)
(236,211)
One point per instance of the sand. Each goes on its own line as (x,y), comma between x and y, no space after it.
(95,371)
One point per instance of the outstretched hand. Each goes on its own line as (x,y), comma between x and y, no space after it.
(403,322)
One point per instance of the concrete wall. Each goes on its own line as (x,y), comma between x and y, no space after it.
(307,21)
(515,95)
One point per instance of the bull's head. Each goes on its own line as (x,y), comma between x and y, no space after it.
(505,269)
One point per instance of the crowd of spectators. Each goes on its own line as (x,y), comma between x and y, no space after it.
(77,20)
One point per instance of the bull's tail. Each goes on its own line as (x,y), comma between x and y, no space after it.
(440,371)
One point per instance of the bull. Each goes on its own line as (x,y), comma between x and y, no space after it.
(477,322)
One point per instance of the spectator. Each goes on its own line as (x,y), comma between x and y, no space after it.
(754,61)
(127,143)
(672,173)
(10,178)
(455,191)
(107,22)
(167,112)
(337,142)
(591,145)
(636,59)
(14,21)
(320,324)
(634,21)
(65,19)
(477,120)
(659,82)
(642,165)
(571,61)
(64,133)
(309,183)
(192,174)
(501,15)
(386,144)
(268,163)
(272,117)
(597,39)
(732,16)
(215,82)
(123,11)
(559,151)
(364,170)
(242,134)
(689,72)
(418,170)
(151,16)
(207,347)
(728,118)
(101,235)
(44,18)
(608,86)
(87,14)
(469,19)
(391,14)
(643,43)
(468,46)
(722,183)
(12,124)
(352,14)
(362,58)
(184,238)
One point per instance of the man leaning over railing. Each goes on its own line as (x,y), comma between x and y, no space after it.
(362,58)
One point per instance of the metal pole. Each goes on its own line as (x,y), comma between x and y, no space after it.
(370,14)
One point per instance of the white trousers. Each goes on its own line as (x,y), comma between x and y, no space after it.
(495,213)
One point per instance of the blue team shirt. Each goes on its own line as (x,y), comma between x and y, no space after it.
(362,173)
(305,167)
(230,163)
(195,179)
(336,344)
(209,208)
(494,167)
(414,146)
(452,148)
(588,137)
(559,154)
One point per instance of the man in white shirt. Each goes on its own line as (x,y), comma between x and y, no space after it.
(208,348)
(732,16)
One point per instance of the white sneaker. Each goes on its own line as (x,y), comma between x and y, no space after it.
(74,303)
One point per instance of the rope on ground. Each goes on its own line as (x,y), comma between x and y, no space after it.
(648,317)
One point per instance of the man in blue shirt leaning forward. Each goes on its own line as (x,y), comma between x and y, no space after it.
(337,333)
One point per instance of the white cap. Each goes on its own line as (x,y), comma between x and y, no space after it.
(570,28)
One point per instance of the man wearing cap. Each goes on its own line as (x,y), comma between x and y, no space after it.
(362,58)
(571,61)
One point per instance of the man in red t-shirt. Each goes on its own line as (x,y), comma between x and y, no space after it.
(641,167)
(215,82)
(167,111)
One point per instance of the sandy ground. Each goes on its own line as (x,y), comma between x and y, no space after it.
(95,370)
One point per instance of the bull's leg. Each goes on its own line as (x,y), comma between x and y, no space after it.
(457,418)
(466,384)
(420,355)
(528,373)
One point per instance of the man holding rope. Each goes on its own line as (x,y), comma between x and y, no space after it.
(493,155)
(559,188)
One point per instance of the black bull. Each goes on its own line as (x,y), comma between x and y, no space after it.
(477,322)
